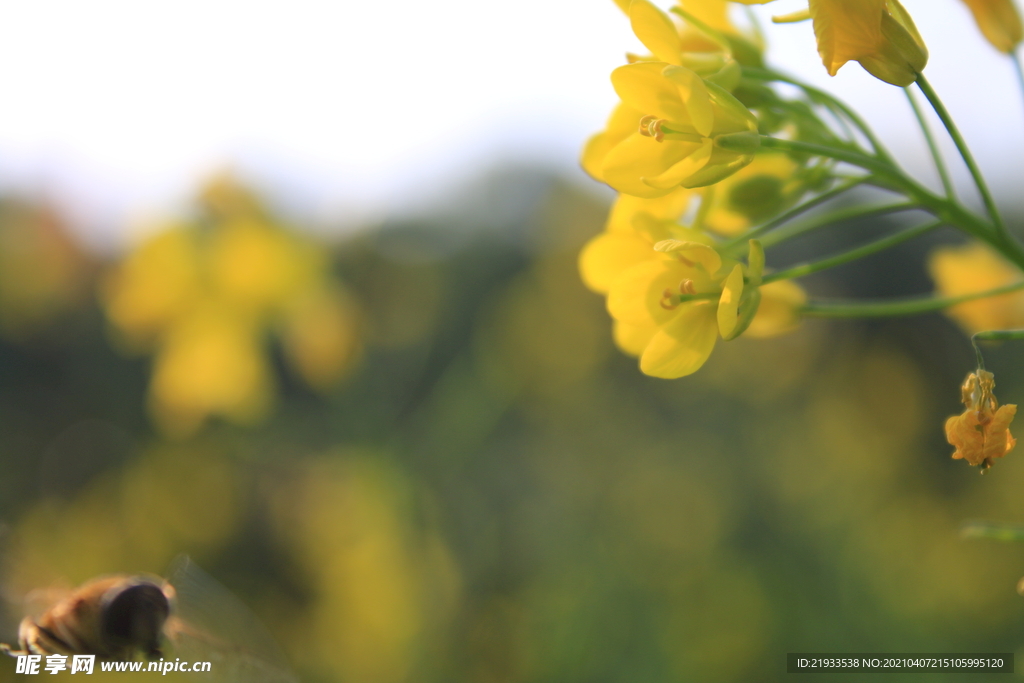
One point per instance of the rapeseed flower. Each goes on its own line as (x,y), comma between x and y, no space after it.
(981,434)
(879,34)
(973,268)
(666,132)
(672,294)
(999,22)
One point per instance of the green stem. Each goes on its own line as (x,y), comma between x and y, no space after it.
(896,307)
(965,153)
(854,254)
(940,165)
(825,97)
(833,217)
(891,178)
(849,156)
(993,335)
(993,531)
(792,213)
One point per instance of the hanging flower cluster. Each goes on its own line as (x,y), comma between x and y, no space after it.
(714,165)
(681,143)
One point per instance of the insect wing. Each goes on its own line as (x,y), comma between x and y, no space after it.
(210,624)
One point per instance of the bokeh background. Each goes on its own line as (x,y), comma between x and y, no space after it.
(293,290)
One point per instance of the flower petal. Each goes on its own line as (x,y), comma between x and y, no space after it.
(655,30)
(682,345)
(622,123)
(700,253)
(695,97)
(626,208)
(779,311)
(632,339)
(606,256)
(643,87)
(638,157)
(729,303)
(682,169)
(999,22)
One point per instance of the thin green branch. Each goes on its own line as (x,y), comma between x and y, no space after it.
(793,213)
(824,97)
(897,307)
(993,531)
(889,177)
(993,335)
(855,158)
(965,152)
(940,165)
(832,218)
(886,242)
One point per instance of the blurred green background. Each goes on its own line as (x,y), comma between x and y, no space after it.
(467,482)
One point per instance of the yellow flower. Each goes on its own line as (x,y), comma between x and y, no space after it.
(666,132)
(877,33)
(668,207)
(210,363)
(982,432)
(674,139)
(203,297)
(154,286)
(606,256)
(999,21)
(671,305)
(974,268)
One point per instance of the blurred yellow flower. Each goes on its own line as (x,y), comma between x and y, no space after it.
(755,193)
(42,271)
(210,362)
(154,286)
(972,268)
(203,295)
(668,207)
(999,22)
(982,432)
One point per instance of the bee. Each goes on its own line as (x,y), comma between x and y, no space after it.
(112,617)
(120,617)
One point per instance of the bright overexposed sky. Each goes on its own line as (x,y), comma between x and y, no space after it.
(363,109)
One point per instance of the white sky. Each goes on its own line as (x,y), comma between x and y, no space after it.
(355,110)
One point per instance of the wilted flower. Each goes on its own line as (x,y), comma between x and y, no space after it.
(982,432)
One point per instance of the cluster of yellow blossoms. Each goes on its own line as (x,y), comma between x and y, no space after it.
(673,289)
(203,295)
(685,150)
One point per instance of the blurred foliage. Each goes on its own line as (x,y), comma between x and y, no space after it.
(492,494)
